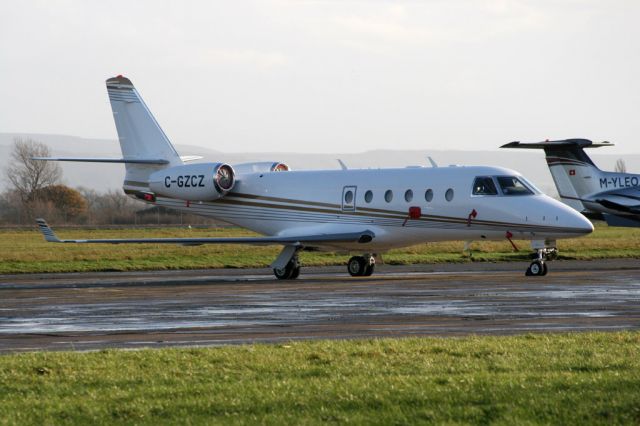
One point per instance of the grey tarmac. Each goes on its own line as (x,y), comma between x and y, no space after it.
(92,311)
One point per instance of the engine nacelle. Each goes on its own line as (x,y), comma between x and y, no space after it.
(260,167)
(194,182)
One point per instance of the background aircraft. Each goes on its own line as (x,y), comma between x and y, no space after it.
(365,211)
(612,196)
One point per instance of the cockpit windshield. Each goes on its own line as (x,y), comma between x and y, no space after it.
(508,185)
(511,185)
(530,185)
(483,185)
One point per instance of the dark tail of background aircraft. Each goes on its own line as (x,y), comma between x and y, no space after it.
(612,196)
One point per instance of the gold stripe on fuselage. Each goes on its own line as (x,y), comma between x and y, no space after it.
(335,209)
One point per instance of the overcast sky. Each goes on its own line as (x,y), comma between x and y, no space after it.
(329,76)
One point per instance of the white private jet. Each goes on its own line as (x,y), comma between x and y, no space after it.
(612,196)
(365,211)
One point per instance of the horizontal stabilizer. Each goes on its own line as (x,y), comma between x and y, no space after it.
(350,237)
(582,143)
(104,160)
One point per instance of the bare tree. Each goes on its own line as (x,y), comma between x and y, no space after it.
(114,207)
(621,166)
(11,211)
(28,175)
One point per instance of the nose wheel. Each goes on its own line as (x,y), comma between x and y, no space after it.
(539,266)
(361,266)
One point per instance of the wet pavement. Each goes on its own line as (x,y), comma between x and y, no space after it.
(87,311)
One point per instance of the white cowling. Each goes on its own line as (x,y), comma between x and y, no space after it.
(194,182)
(260,167)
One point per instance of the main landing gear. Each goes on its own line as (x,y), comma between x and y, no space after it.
(539,266)
(358,266)
(290,272)
(361,266)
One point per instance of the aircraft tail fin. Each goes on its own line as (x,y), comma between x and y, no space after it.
(139,134)
(573,172)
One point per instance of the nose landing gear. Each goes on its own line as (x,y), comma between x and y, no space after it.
(539,266)
(361,266)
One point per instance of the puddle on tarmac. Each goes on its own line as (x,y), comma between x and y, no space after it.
(281,308)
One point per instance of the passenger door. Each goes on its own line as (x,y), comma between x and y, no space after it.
(349,198)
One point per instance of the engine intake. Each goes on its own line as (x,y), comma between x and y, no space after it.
(194,182)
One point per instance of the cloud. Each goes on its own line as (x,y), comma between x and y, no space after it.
(384,26)
(260,59)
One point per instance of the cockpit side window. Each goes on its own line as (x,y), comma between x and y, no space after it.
(483,185)
(511,185)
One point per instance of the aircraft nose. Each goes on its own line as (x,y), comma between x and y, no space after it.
(581,223)
(572,221)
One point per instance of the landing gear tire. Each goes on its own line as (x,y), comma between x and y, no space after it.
(368,270)
(290,272)
(537,268)
(356,266)
(295,273)
(361,266)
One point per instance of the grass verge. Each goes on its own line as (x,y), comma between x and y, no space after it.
(582,378)
(26,251)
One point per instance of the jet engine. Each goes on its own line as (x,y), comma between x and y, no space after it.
(260,167)
(194,182)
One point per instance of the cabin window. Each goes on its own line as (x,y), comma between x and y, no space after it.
(511,185)
(408,195)
(484,185)
(449,194)
(348,197)
(368,196)
(388,195)
(428,195)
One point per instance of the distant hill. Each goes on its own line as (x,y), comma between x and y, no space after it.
(102,177)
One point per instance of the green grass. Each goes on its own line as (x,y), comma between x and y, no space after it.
(583,378)
(26,251)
